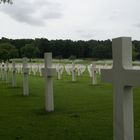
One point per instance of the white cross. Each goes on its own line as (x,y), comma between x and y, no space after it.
(7,72)
(2,70)
(48,72)
(94,78)
(25,77)
(59,70)
(123,77)
(73,72)
(13,73)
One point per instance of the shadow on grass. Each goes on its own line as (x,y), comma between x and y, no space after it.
(73,82)
(43,112)
(74,115)
(18,95)
(3,82)
(97,85)
(10,87)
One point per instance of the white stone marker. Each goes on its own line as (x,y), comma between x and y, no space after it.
(13,74)
(73,72)
(123,77)
(94,77)
(25,70)
(48,72)
(2,71)
(59,70)
(7,72)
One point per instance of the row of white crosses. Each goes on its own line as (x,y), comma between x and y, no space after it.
(71,69)
(48,73)
(79,68)
(5,72)
(35,69)
(123,77)
(25,75)
(59,69)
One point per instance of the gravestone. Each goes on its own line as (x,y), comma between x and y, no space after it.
(25,70)
(2,71)
(94,77)
(30,69)
(73,72)
(13,74)
(7,72)
(68,69)
(59,70)
(123,77)
(89,68)
(48,73)
(19,68)
(79,69)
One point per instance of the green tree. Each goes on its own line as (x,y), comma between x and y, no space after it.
(43,45)
(7,51)
(72,57)
(136,50)
(135,53)
(102,52)
(30,51)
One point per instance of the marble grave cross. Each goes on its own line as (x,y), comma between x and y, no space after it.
(94,77)
(48,72)
(25,70)
(2,71)
(123,77)
(59,73)
(73,72)
(13,74)
(7,72)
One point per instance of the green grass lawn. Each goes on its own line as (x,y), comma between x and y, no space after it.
(82,111)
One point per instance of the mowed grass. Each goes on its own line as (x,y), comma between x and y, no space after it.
(82,111)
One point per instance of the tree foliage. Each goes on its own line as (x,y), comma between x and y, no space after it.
(101,51)
(35,48)
(8,51)
(30,51)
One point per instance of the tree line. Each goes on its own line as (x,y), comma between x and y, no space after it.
(35,48)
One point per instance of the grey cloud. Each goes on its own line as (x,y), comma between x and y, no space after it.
(114,15)
(137,25)
(86,34)
(33,12)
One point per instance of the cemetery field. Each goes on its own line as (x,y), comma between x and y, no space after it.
(82,111)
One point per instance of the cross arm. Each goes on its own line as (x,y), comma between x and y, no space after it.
(49,72)
(132,77)
(25,70)
(106,75)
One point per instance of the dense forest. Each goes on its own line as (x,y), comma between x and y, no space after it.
(35,48)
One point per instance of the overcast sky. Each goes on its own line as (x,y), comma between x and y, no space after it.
(70,19)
